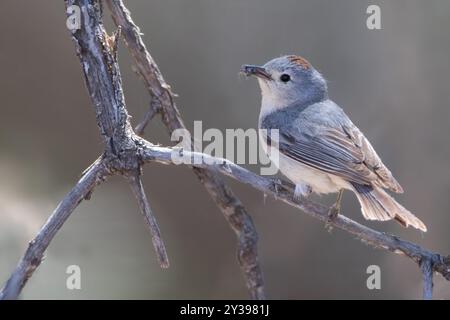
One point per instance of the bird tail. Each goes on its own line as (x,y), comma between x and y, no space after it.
(376,204)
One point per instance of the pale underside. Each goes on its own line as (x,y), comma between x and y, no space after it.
(304,175)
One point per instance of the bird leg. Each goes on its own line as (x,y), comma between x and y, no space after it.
(335,209)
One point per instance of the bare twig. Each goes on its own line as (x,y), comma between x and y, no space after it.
(231,207)
(284,191)
(98,56)
(154,108)
(36,248)
(158,243)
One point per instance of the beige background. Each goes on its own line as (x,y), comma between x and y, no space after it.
(394,83)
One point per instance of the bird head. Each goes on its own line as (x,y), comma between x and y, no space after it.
(286,80)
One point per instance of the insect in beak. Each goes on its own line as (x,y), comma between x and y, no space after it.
(257,71)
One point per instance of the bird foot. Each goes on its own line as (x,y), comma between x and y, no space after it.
(277,186)
(333,212)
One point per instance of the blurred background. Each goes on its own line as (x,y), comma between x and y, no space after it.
(393,83)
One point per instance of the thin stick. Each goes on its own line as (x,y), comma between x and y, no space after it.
(139,192)
(154,108)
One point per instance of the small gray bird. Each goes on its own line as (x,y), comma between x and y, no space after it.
(320,149)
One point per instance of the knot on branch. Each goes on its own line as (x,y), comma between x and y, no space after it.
(124,162)
(124,154)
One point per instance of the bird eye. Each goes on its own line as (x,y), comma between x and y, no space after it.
(285,77)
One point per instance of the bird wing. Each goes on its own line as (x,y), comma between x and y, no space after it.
(342,151)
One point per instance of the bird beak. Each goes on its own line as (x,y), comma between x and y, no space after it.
(257,71)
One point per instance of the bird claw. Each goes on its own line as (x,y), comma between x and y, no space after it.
(276,186)
(333,212)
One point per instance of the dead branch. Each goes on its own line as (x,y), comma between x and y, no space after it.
(125,152)
(163,102)
(427,260)
(97,52)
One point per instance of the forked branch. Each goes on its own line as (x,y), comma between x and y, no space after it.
(125,152)
(163,103)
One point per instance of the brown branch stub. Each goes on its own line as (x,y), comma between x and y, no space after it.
(231,207)
(36,248)
(155,107)
(139,192)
